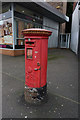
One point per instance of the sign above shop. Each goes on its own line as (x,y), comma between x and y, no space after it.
(30,18)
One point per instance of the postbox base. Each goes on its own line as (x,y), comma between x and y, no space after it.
(35,95)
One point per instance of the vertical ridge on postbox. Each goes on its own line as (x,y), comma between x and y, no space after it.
(44,61)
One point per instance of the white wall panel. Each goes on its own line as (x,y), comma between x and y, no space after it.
(75,30)
(53,39)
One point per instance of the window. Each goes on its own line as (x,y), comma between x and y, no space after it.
(24,19)
(6,35)
(19,26)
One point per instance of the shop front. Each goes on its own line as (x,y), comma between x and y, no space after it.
(18,16)
(6,33)
(15,19)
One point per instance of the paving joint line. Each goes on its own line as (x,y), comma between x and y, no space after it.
(54,93)
(12,76)
(67,98)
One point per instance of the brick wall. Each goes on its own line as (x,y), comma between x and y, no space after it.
(58,5)
(62,7)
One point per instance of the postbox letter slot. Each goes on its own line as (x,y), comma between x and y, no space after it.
(30,43)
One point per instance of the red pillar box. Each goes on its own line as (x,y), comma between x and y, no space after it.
(36,50)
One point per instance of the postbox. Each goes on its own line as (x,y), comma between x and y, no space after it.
(36,50)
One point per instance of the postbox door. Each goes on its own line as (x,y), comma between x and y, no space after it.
(33,65)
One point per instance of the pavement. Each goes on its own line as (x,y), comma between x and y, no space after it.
(62,85)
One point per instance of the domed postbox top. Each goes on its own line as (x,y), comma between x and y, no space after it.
(36,31)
